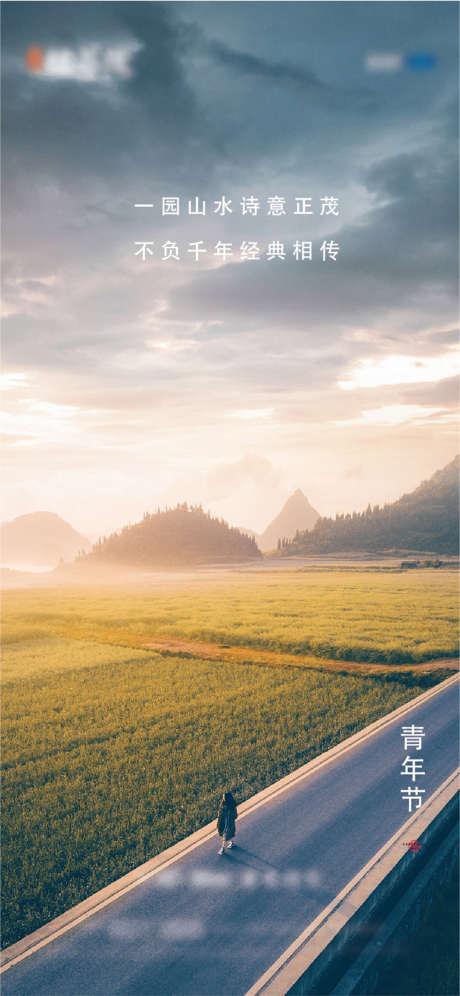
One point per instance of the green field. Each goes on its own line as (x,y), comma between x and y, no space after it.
(364,616)
(112,753)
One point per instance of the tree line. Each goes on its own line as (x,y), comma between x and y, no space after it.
(183,535)
(427,519)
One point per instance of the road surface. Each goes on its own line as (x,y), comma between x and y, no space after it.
(210,925)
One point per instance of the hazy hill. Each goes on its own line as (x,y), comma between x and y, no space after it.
(424,520)
(297,514)
(178,536)
(249,532)
(39,539)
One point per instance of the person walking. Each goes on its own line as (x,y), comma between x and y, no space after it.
(226,817)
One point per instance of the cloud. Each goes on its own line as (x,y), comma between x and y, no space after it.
(11,381)
(445,337)
(40,422)
(252,471)
(246,63)
(396,268)
(391,415)
(172,345)
(399,369)
(445,392)
(96,139)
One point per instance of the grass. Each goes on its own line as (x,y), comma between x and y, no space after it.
(113,752)
(378,618)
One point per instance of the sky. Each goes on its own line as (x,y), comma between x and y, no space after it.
(134,383)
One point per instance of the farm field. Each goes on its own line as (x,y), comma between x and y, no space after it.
(363,616)
(112,751)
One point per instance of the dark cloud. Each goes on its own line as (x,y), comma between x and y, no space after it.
(444,337)
(396,176)
(244,63)
(81,133)
(397,265)
(196,103)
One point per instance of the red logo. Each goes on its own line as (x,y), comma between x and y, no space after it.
(34,58)
(413,846)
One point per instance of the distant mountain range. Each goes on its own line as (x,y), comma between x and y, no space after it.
(181,536)
(40,539)
(425,520)
(296,514)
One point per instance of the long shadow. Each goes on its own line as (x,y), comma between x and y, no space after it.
(236,850)
(316,894)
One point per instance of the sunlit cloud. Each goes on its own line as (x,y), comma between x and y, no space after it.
(48,408)
(9,381)
(402,370)
(391,415)
(172,345)
(42,422)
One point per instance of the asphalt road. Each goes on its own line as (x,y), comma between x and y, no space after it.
(210,925)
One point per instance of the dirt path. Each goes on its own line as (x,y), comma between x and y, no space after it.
(256,655)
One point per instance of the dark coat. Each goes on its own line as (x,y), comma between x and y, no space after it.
(226,820)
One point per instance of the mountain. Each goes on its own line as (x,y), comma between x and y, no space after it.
(179,536)
(425,520)
(297,514)
(40,539)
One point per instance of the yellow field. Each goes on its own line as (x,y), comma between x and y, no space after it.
(361,616)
